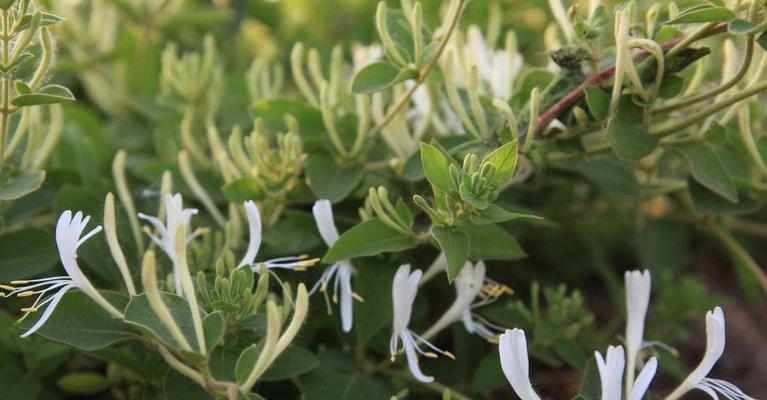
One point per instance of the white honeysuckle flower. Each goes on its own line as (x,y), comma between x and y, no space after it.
(404,290)
(175,215)
(611,372)
(697,379)
(498,68)
(638,285)
(512,347)
(471,283)
(296,263)
(340,272)
(69,230)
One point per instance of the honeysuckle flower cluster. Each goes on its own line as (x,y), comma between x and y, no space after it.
(339,273)
(513,353)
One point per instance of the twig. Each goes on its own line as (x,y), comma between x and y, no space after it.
(606,73)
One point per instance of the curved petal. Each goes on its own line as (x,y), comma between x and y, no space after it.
(254,227)
(323,217)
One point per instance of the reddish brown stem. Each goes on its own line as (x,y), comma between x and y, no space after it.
(606,73)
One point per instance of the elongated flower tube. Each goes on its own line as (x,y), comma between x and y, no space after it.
(404,290)
(296,263)
(340,272)
(638,285)
(470,284)
(611,372)
(513,349)
(50,291)
(697,379)
(175,215)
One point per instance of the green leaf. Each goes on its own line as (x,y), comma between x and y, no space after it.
(708,170)
(488,375)
(213,325)
(48,94)
(598,101)
(21,185)
(26,253)
(504,159)
(368,238)
(18,385)
(436,168)
(494,214)
(716,134)
(762,40)
(21,87)
(375,77)
(337,378)
(83,383)
(613,176)
(702,13)
(294,361)
(330,181)
(455,245)
(243,189)
(706,201)
(245,363)
(45,20)
(590,383)
(81,323)
(372,316)
(740,27)
(491,242)
(626,131)
(177,386)
(671,86)
(140,314)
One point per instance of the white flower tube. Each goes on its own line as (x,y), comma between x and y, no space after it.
(697,379)
(513,349)
(638,286)
(611,372)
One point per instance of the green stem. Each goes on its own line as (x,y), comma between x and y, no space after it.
(710,110)
(6,85)
(739,253)
(717,90)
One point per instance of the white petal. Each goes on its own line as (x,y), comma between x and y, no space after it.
(512,347)
(643,380)
(344,274)
(48,310)
(323,217)
(412,359)
(254,227)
